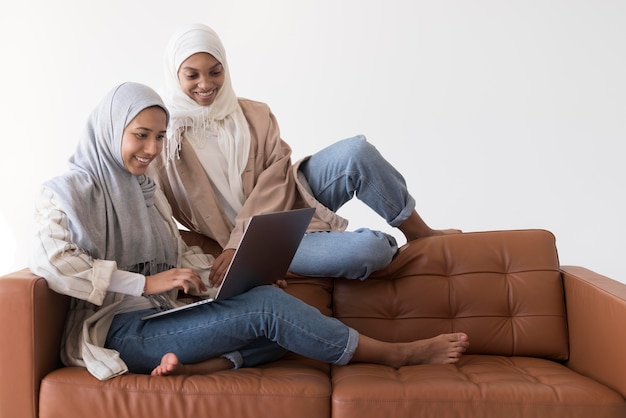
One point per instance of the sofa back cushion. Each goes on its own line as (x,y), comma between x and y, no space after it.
(502,288)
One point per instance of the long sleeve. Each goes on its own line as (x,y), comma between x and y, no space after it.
(272,186)
(68,269)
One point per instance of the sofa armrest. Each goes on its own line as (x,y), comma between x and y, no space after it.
(31,324)
(596,312)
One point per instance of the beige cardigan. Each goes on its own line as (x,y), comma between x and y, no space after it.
(270,181)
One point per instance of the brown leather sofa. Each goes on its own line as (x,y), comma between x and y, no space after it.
(546,341)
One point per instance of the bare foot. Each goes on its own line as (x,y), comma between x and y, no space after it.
(171,365)
(445,232)
(433,233)
(442,349)
(415,228)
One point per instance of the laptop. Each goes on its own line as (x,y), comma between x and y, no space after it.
(263,256)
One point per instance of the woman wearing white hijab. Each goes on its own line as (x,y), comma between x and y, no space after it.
(106,238)
(226,162)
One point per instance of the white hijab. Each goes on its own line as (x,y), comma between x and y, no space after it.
(223,119)
(111,213)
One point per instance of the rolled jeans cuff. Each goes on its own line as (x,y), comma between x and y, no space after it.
(235,358)
(404,214)
(351,345)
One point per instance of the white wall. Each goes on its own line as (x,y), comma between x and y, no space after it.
(501,114)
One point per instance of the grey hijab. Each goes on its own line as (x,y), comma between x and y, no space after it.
(110,211)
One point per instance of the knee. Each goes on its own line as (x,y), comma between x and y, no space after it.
(265,292)
(375,252)
(373,256)
(359,151)
(358,145)
(267,298)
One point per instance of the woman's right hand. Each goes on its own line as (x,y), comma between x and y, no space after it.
(185,279)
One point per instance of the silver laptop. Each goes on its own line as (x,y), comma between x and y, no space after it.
(263,256)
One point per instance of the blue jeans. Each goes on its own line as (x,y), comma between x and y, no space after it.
(336,174)
(256,327)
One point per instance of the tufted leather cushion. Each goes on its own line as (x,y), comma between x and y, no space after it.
(502,288)
(293,386)
(477,386)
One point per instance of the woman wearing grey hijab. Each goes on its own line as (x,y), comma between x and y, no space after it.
(107,239)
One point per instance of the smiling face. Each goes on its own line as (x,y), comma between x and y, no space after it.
(142,140)
(201,76)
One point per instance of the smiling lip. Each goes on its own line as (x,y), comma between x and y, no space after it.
(204,95)
(145,161)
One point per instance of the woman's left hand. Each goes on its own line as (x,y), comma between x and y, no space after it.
(219,267)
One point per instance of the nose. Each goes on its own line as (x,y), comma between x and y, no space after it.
(153,146)
(204,82)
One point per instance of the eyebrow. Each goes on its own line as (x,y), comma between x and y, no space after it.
(149,130)
(195,69)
